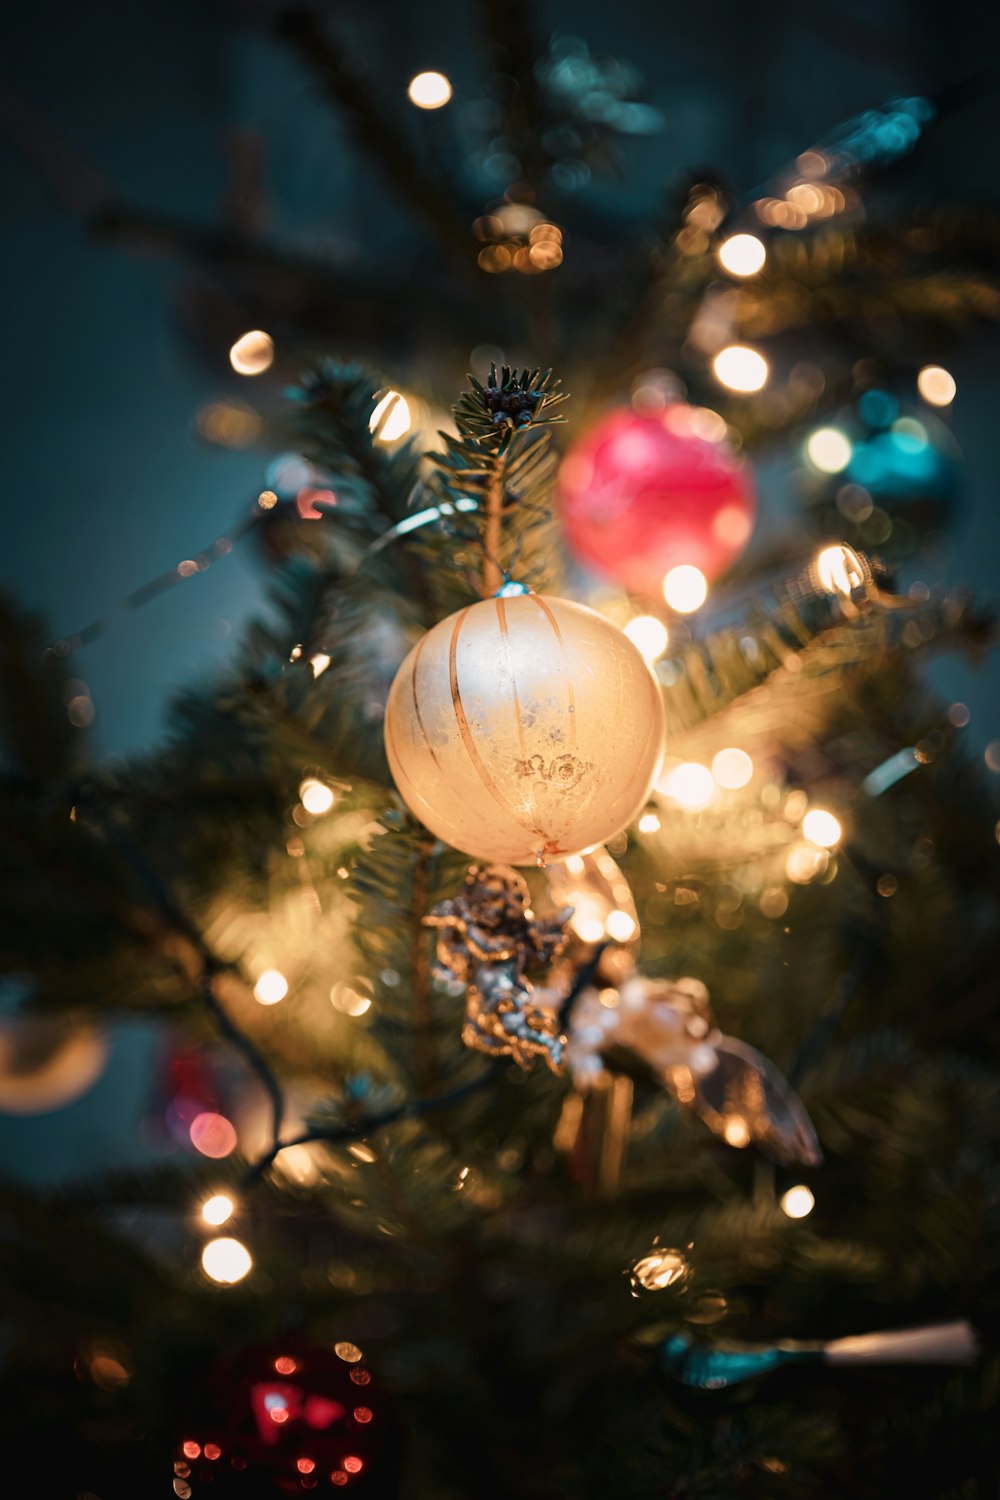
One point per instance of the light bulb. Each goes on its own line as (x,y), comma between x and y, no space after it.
(798,1202)
(217,1209)
(649,636)
(732,768)
(829,450)
(271,987)
(317,797)
(691,785)
(620,926)
(742,254)
(429,90)
(740,369)
(936,385)
(396,411)
(821,828)
(252,353)
(685,588)
(226,1261)
(839,569)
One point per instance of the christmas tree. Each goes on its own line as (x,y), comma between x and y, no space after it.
(573,916)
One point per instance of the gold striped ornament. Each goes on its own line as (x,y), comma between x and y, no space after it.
(524,729)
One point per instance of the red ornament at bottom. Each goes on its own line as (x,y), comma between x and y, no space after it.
(641,494)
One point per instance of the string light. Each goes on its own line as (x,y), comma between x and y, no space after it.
(740,369)
(429,90)
(271,987)
(685,588)
(252,353)
(821,828)
(829,450)
(226,1260)
(732,768)
(390,419)
(620,926)
(649,823)
(691,785)
(804,862)
(797,1202)
(657,1270)
(212,1135)
(317,797)
(936,385)
(649,635)
(347,1000)
(742,255)
(839,569)
(217,1209)
(319,663)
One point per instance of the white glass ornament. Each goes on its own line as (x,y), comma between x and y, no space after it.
(524,729)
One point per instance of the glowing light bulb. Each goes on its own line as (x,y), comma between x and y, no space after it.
(798,1202)
(936,385)
(217,1209)
(620,926)
(839,569)
(829,450)
(271,987)
(226,1261)
(319,663)
(253,353)
(649,635)
(429,90)
(349,1353)
(691,785)
(395,410)
(821,828)
(732,768)
(804,862)
(685,588)
(742,254)
(740,369)
(649,823)
(317,797)
(347,1000)
(659,1269)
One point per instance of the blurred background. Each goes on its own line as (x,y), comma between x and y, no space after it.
(123,456)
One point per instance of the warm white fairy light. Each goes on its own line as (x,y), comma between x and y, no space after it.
(839,569)
(348,1001)
(271,987)
(319,663)
(797,1202)
(936,385)
(691,785)
(226,1260)
(732,768)
(317,797)
(740,369)
(821,828)
(620,926)
(649,823)
(649,636)
(742,254)
(429,90)
(252,353)
(685,588)
(659,1269)
(217,1209)
(829,450)
(805,862)
(395,410)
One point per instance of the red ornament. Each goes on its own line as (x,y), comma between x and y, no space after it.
(644,494)
(285,1419)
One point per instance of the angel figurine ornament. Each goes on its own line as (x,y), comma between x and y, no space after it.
(488,936)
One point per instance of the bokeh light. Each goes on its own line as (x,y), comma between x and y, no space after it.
(217,1209)
(797,1202)
(936,385)
(317,797)
(691,785)
(685,588)
(649,635)
(740,369)
(649,823)
(212,1134)
(829,450)
(742,254)
(839,569)
(732,768)
(659,1269)
(429,90)
(271,987)
(821,828)
(391,418)
(620,926)
(226,1260)
(252,353)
